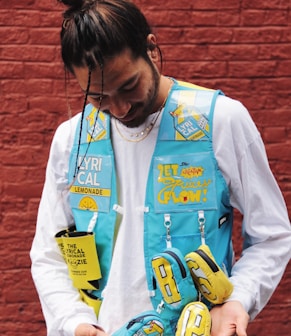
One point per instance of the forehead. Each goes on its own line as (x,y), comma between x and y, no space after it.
(117,70)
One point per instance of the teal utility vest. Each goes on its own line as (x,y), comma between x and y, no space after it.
(187,199)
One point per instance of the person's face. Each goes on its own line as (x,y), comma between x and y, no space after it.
(130,87)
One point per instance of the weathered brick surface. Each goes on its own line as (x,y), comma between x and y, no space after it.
(242,47)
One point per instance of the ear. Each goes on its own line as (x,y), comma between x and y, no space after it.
(152,47)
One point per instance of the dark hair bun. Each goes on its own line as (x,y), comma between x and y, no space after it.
(77,4)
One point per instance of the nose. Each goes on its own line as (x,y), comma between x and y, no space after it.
(119,108)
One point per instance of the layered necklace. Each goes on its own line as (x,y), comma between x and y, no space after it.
(139,136)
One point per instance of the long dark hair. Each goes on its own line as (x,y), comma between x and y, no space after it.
(94,30)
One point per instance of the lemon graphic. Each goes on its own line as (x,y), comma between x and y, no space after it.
(88,203)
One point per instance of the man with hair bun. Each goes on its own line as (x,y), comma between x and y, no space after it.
(148,173)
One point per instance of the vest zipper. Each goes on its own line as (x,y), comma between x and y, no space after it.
(181,266)
(208,260)
(135,320)
(201,222)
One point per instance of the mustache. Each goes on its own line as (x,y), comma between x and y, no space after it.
(130,112)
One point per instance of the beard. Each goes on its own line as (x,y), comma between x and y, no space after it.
(141,111)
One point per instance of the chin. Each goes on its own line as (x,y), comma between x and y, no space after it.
(136,121)
(133,123)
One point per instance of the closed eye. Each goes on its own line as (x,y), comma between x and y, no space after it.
(95,96)
(130,85)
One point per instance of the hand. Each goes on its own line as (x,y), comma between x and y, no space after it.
(229,319)
(85,329)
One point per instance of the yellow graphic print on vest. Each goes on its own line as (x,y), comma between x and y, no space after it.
(88,203)
(96,129)
(189,124)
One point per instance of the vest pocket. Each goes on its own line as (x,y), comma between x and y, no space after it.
(185,243)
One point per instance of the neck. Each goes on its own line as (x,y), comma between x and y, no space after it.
(164,89)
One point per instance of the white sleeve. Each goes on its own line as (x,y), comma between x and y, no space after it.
(254,192)
(62,308)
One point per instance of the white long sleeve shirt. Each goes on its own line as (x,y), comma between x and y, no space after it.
(253,191)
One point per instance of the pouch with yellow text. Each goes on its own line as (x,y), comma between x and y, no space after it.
(80,253)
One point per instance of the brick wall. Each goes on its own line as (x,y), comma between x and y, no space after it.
(242,47)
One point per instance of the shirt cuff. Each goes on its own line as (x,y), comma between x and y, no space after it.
(245,298)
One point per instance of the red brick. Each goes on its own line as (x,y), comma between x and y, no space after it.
(259,34)
(44,36)
(263,4)
(11,69)
(14,35)
(265,17)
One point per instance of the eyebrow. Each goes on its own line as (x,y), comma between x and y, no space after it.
(127,82)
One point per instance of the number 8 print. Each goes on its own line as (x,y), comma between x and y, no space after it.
(166,280)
